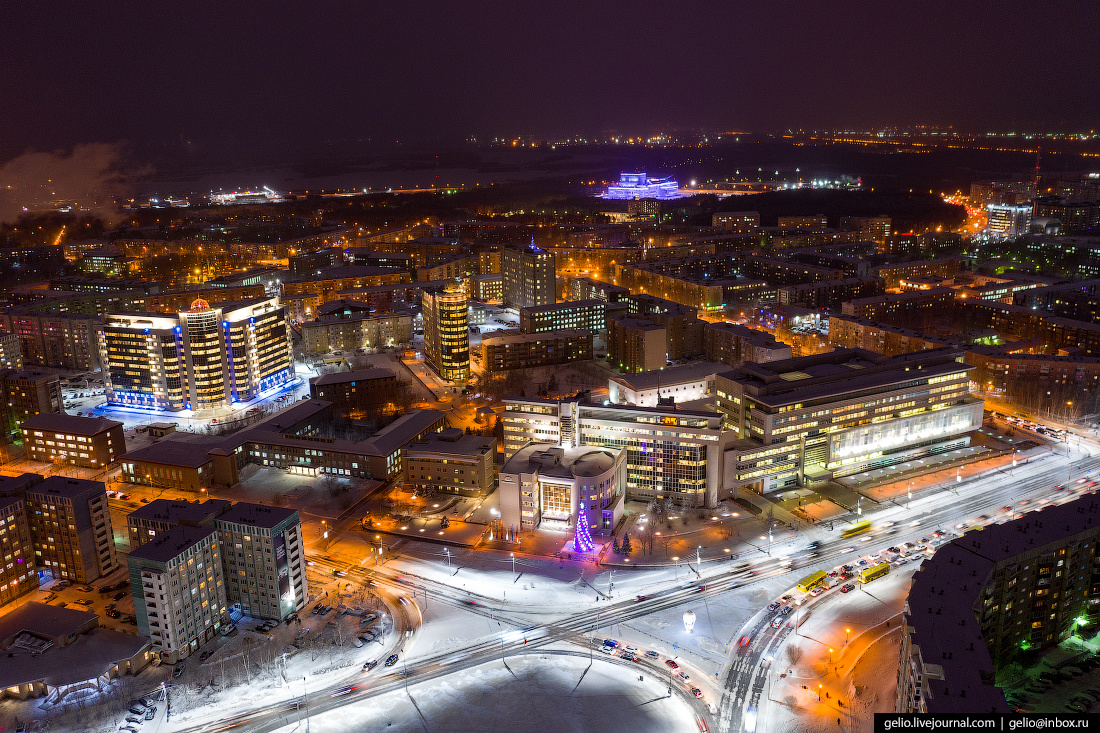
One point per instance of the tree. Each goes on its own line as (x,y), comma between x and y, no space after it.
(444,523)
(794,653)
(552,383)
(627,549)
(615,545)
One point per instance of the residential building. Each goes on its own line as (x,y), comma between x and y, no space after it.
(451,268)
(734,344)
(670,452)
(202,358)
(264,560)
(914,309)
(179,591)
(586,288)
(332,281)
(28,392)
(977,604)
(815,418)
(852,332)
(356,330)
(71,528)
(636,343)
(512,350)
(810,223)
(446,332)
(355,394)
(1076,217)
(831,294)
(11,357)
(946,267)
(571,314)
(872,228)
(373,258)
(683,328)
(451,462)
(89,442)
(488,288)
(160,515)
(18,573)
(543,484)
(529,275)
(311,264)
(737,222)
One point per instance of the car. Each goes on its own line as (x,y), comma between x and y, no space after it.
(900,562)
(607,649)
(982,518)
(744,642)
(131,728)
(684,677)
(774,606)
(179,671)
(228,629)
(817,591)
(777,622)
(787,598)
(786,610)
(847,588)
(112,613)
(368,666)
(628,656)
(697,692)
(135,719)
(963,525)
(672,664)
(611,643)
(84,601)
(640,598)
(1023,502)
(391,660)
(120,595)
(652,654)
(1058,488)
(85,588)
(832,574)
(847,576)
(137,709)
(846,568)
(151,713)
(631,649)
(206,655)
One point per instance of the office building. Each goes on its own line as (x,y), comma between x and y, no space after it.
(977,604)
(264,561)
(179,591)
(816,418)
(488,288)
(571,314)
(670,452)
(446,332)
(1006,220)
(450,462)
(18,573)
(737,222)
(733,344)
(529,277)
(28,392)
(71,528)
(89,442)
(871,228)
(202,358)
(160,515)
(543,484)
(522,350)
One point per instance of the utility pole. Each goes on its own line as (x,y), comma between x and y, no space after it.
(698,561)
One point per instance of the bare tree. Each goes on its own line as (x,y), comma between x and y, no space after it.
(794,653)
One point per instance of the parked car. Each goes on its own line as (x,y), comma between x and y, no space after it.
(151,713)
(137,709)
(228,629)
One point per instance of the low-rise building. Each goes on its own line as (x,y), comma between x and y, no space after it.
(674,384)
(179,590)
(89,442)
(451,462)
(545,485)
(488,288)
(522,350)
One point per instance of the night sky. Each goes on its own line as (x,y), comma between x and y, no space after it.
(191,75)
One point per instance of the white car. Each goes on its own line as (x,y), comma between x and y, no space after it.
(632,649)
(607,649)
(817,591)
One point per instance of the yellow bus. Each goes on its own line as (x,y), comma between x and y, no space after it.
(810,582)
(875,571)
(857,528)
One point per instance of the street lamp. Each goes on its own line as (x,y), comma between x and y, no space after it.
(846,632)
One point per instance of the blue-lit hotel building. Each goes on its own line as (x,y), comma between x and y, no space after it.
(205,357)
(639,186)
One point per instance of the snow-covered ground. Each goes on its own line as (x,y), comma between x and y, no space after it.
(541,692)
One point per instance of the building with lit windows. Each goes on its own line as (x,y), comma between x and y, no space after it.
(89,442)
(669,452)
(28,392)
(446,331)
(11,357)
(816,418)
(544,485)
(264,560)
(71,528)
(529,277)
(588,314)
(451,462)
(871,228)
(160,515)
(522,350)
(202,358)
(179,592)
(18,574)
(640,186)
(738,222)
(1006,220)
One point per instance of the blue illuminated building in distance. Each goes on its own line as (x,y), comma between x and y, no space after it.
(640,186)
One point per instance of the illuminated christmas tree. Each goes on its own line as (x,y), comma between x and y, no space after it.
(582,540)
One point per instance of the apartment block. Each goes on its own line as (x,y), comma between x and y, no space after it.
(586,288)
(831,294)
(28,392)
(71,528)
(529,275)
(522,350)
(636,343)
(160,515)
(89,442)
(179,590)
(263,556)
(737,222)
(587,314)
(356,330)
(872,228)
(11,356)
(355,394)
(18,573)
(733,344)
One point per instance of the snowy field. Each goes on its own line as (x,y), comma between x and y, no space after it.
(541,693)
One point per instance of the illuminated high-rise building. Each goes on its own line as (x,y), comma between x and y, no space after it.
(202,358)
(530,277)
(446,331)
